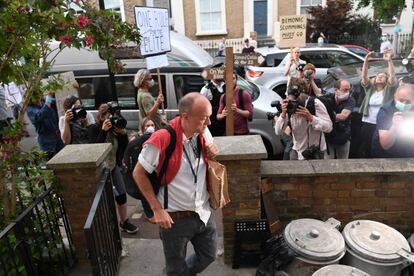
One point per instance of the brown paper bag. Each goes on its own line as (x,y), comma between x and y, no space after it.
(217,184)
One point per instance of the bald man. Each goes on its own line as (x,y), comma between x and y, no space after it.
(394,135)
(187,216)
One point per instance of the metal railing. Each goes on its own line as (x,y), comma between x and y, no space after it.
(104,246)
(38,242)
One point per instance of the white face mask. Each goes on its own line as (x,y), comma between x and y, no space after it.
(342,97)
(150,129)
(151,83)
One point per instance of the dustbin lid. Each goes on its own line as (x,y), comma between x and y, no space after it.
(339,270)
(315,240)
(375,241)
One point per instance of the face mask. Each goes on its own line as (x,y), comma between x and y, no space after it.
(150,129)
(342,97)
(402,106)
(151,83)
(50,99)
(383,39)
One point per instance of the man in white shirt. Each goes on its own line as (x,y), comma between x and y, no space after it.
(186,216)
(213,91)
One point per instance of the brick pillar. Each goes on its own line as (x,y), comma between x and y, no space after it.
(242,156)
(78,169)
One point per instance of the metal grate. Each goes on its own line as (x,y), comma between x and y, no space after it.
(101,230)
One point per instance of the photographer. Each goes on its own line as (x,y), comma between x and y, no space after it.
(73,125)
(307,129)
(393,137)
(312,83)
(110,128)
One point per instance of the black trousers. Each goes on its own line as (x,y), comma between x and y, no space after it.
(367,131)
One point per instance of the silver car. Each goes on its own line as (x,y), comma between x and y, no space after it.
(270,72)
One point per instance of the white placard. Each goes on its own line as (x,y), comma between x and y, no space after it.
(154,27)
(156,61)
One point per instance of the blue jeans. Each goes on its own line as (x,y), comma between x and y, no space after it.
(202,237)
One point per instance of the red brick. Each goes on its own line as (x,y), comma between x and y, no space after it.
(399,193)
(363,193)
(326,179)
(299,194)
(367,185)
(325,193)
(393,185)
(342,186)
(343,194)
(286,186)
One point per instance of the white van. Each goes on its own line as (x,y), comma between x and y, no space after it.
(186,61)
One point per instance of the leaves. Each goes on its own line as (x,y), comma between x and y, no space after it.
(384,10)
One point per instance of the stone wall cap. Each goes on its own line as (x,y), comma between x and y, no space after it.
(337,167)
(241,147)
(80,156)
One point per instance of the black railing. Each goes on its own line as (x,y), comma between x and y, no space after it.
(101,230)
(39,241)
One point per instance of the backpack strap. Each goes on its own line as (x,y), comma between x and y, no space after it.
(168,153)
(310,105)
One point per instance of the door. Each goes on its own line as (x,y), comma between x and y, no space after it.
(260,17)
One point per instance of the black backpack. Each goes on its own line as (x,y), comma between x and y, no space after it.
(131,158)
(327,101)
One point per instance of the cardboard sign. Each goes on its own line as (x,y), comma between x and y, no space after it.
(245,59)
(67,89)
(214,73)
(154,27)
(156,61)
(292,31)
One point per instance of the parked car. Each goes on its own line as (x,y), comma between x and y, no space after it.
(183,75)
(353,73)
(356,49)
(270,72)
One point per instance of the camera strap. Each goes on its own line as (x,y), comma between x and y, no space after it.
(320,137)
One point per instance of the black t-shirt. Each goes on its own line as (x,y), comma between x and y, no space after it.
(341,131)
(402,147)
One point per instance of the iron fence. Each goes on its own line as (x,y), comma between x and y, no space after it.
(101,230)
(38,242)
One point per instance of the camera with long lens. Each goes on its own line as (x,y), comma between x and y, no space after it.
(78,111)
(293,105)
(312,152)
(278,105)
(116,118)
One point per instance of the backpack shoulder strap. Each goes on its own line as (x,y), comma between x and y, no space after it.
(241,99)
(311,105)
(168,153)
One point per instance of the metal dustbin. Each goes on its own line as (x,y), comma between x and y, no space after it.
(376,248)
(316,244)
(339,270)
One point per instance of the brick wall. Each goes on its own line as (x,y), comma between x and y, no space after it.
(380,190)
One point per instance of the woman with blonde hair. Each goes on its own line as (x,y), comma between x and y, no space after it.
(148,107)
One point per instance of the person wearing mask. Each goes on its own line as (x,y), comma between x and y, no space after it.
(394,135)
(213,91)
(73,127)
(377,92)
(104,132)
(308,74)
(338,140)
(47,128)
(307,130)
(148,107)
(385,44)
(241,107)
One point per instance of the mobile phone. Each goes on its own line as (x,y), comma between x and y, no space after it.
(377,55)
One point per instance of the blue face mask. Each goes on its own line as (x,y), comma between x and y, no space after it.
(50,99)
(402,106)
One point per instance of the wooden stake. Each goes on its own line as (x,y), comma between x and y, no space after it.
(229,91)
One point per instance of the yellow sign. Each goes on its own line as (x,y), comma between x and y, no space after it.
(292,31)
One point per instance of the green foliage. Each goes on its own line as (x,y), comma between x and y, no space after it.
(384,10)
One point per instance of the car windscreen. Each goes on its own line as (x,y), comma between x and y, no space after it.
(249,87)
(273,60)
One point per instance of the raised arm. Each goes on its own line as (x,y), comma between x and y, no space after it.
(365,79)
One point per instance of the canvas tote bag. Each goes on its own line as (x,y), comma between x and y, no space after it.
(217,184)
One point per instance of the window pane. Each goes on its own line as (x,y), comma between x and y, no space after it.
(215,6)
(204,5)
(316,2)
(305,2)
(187,83)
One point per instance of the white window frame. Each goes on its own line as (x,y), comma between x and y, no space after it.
(221,31)
(299,6)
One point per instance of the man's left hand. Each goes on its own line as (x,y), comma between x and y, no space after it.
(212,151)
(304,112)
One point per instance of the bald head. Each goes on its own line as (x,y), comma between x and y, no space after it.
(405,94)
(191,101)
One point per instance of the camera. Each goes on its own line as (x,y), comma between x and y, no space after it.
(78,111)
(307,75)
(278,105)
(116,118)
(312,152)
(293,105)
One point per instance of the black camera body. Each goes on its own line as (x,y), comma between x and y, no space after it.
(79,112)
(116,118)
(278,105)
(307,75)
(313,152)
(293,105)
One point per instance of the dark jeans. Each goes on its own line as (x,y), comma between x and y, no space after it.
(367,131)
(202,237)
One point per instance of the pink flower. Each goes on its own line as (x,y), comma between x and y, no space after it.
(67,39)
(63,24)
(88,40)
(82,21)
(117,67)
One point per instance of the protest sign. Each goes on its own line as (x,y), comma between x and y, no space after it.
(292,31)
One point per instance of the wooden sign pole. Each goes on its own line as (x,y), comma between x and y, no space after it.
(160,89)
(229,91)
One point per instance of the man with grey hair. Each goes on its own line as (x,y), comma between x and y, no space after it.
(186,215)
(394,135)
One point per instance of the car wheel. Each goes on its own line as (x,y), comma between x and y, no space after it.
(281,90)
